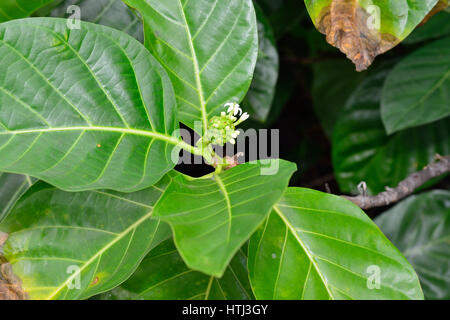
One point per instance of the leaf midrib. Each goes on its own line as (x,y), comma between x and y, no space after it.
(304,247)
(138,132)
(100,253)
(196,68)
(224,191)
(421,101)
(7,207)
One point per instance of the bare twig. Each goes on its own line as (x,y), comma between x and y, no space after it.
(405,187)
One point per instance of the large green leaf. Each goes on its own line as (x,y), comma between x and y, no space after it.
(262,90)
(209,49)
(320,246)
(420,227)
(363,152)
(333,82)
(363,29)
(212,218)
(83,109)
(417,91)
(15,9)
(438,26)
(96,237)
(12,186)
(111,13)
(163,275)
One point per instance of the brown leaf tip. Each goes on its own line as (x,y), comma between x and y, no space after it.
(346,26)
(10,284)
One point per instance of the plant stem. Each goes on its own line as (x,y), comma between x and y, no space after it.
(405,187)
(185,146)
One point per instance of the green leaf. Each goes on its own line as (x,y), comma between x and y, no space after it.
(320,246)
(83,109)
(283,15)
(16,9)
(209,49)
(364,29)
(262,90)
(417,91)
(97,237)
(12,186)
(163,275)
(333,82)
(363,152)
(110,13)
(212,218)
(438,26)
(420,227)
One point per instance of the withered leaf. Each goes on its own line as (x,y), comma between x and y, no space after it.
(10,284)
(345,25)
(361,33)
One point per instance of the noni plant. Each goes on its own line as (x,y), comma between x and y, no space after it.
(108,107)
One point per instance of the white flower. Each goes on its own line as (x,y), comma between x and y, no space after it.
(230,106)
(233,108)
(244,117)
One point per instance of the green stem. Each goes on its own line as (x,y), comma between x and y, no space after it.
(185,146)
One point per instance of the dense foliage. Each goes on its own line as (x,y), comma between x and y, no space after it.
(94,119)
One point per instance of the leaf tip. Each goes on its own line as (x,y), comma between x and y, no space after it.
(346,26)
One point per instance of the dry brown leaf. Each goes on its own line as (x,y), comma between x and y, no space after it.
(345,25)
(10,284)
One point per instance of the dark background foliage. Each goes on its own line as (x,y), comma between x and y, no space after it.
(315,82)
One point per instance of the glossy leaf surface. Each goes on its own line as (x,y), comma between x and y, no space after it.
(209,49)
(417,91)
(16,9)
(320,246)
(83,109)
(12,186)
(363,152)
(110,13)
(420,227)
(212,218)
(163,275)
(74,245)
